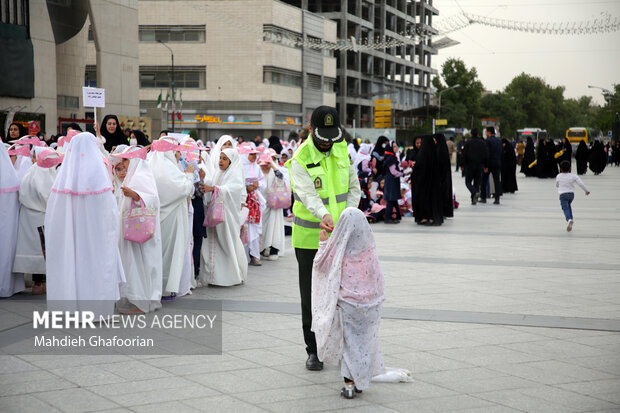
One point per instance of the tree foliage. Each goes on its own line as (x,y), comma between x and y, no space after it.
(527,101)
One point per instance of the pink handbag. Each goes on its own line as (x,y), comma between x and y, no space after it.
(139,223)
(215,210)
(279,196)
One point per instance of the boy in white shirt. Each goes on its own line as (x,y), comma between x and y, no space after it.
(565,182)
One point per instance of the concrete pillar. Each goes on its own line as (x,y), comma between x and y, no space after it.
(115,30)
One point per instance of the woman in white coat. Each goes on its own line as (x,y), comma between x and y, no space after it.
(223,260)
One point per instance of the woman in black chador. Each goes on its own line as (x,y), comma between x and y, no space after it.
(509,167)
(529,156)
(552,164)
(567,155)
(581,156)
(597,158)
(431,199)
(112,132)
(379,151)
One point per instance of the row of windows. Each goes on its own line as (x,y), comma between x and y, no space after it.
(187,34)
(194,77)
(189,77)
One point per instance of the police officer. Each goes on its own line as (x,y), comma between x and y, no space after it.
(324,183)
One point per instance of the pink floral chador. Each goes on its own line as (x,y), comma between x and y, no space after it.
(347,298)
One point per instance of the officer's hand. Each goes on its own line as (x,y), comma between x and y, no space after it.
(327,223)
(323,235)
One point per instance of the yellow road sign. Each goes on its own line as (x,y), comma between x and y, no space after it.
(441,122)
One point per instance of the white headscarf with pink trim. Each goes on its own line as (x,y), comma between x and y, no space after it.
(83,171)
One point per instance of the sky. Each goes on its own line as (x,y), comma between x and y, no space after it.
(572,61)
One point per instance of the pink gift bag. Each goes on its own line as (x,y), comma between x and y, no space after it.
(279,196)
(139,223)
(215,210)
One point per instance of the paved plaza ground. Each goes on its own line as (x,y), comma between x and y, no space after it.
(498,310)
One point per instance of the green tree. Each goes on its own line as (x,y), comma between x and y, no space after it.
(460,105)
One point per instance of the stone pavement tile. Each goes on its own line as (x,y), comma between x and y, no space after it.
(599,341)
(593,387)
(365,409)
(613,397)
(224,382)
(85,376)
(250,340)
(487,355)
(529,372)
(25,404)
(222,404)
(607,363)
(33,385)
(53,362)
(567,398)
(135,370)
(165,407)
(75,400)
(292,335)
(270,378)
(263,357)
(117,410)
(162,395)
(332,402)
(212,366)
(556,348)
(496,335)
(283,394)
(423,361)
(383,393)
(441,404)
(12,364)
(571,370)
(25,376)
(428,341)
(152,385)
(329,374)
(473,386)
(494,409)
(519,401)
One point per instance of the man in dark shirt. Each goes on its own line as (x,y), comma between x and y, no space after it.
(494,166)
(473,161)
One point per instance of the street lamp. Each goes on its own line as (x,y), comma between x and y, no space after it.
(440,93)
(607,94)
(171,82)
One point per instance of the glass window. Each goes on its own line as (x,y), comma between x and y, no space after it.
(176,33)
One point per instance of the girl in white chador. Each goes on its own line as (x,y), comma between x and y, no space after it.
(9,213)
(272,239)
(255,202)
(347,298)
(223,260)
(224,142)
(174,188)
(142,262)
(83,264)
(34,192)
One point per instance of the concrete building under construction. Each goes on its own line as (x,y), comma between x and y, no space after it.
(401,73)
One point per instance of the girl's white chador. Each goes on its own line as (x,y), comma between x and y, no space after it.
(34,192)
(272,219)
(142,262)
(9,212)
(223,260)
(174,188)
(252,173)
(83,263)
(347,297)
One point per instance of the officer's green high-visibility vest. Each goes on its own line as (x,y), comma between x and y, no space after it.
(331,181)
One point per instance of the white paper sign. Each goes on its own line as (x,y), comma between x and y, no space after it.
(93,97)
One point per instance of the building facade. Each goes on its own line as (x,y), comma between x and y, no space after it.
(401,73)
(239,66)
(47,45)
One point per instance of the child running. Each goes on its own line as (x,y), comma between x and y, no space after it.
(347,298)
(565,182)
